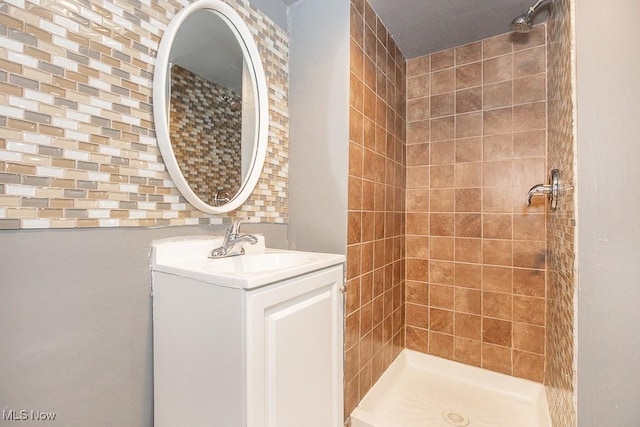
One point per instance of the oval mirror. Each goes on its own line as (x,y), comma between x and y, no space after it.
(210,106)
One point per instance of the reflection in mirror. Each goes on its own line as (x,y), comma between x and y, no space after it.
(212,144)
(210,106)
(205,126)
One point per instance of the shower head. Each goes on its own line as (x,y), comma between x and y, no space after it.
(524,22)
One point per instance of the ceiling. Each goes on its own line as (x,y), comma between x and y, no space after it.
(420,27)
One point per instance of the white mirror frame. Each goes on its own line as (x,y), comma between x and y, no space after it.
(161,101)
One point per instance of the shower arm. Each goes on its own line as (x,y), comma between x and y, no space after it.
(533,8)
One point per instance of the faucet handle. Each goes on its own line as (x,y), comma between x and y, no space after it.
(234,228)
(537,190)
(552,190)
(233,241)
(221,197)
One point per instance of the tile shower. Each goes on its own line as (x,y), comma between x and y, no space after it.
(560,375)
(476,286)
(476,142)
(374,332)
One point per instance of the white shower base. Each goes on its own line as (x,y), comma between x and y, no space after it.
(427,391)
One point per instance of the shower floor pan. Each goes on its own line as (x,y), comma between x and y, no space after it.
(427,391)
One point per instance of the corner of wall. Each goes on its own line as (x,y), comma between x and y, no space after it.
(319,99)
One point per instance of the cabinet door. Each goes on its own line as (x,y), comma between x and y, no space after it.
(294,350)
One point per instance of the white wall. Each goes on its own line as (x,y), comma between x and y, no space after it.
(608,219)
(319,125)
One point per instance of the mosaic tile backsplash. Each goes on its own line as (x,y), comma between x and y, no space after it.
(77,139)
(205,125)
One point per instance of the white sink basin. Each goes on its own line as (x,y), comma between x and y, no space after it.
(257,263)
(189,257)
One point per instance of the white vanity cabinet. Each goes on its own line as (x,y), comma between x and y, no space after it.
(269,356)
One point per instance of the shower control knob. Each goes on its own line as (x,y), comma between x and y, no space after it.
(551,190)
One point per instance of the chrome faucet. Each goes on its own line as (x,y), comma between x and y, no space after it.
(552,191)
(233,241)
(538,190)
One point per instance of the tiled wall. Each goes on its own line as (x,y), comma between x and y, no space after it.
(375,251)
(561,377)
(77,141)
(476,142)
(205,125)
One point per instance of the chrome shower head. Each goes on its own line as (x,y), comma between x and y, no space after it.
(524,22)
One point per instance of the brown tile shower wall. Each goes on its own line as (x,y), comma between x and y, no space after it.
(375,253)
(77,140)
(560,377)
(205,125)
(475,253)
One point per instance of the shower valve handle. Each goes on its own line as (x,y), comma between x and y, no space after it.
(551,190)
